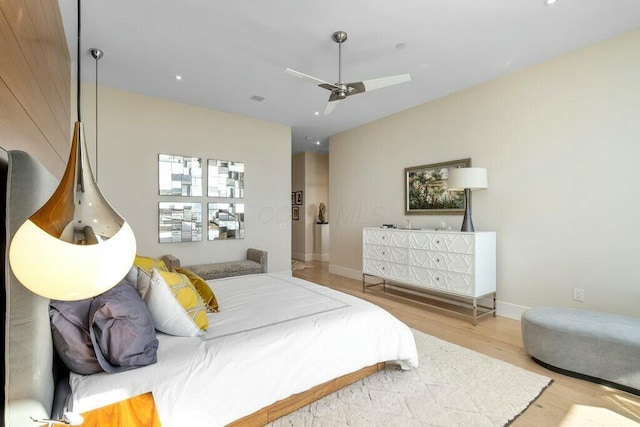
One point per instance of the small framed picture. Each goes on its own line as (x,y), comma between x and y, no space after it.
(295,213)
(299,198)
(293,198)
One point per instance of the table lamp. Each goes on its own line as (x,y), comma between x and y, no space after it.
(467,179)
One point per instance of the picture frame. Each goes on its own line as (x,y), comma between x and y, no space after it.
(425,189)
(295,213)
(293,198)
(299,198)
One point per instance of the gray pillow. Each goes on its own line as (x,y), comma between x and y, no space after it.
(71,338)
(121,329)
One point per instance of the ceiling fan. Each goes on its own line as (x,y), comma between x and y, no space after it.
(340,90)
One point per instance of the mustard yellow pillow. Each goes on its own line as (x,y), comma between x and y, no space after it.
(203,289)
(149,264)
(175,306)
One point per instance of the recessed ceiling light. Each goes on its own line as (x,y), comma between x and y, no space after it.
(178,77)
(317,113)
(549,2)
(317,142)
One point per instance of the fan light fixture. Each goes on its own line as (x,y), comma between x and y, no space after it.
(341,90)
(76,245)
(467,179)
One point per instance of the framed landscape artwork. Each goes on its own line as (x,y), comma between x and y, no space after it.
(426,189)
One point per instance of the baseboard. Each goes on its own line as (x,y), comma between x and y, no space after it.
(504,309)
(345,272)
(321,257)
(300,256)
(509,310)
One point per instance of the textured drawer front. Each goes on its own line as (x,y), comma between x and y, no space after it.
(442,280)
(385,269)
(386,253)
(386,237)
(443,242)
(448,261)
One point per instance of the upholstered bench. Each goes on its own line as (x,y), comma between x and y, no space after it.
(256,262)
(599,347)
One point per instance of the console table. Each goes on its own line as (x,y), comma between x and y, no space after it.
(460,266)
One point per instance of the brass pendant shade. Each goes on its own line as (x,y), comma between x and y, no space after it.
(76,245)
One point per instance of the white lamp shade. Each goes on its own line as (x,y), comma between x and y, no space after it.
(57,269)
(472,178)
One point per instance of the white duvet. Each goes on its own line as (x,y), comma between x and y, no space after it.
(274,336)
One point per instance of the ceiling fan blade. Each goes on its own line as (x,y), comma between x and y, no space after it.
(321,83)
(374,84)
(331,105)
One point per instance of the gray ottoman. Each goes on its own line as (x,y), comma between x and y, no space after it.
(599,347)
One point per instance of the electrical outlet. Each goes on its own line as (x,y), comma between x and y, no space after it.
(578,294)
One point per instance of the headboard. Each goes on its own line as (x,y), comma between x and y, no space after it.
(28,354)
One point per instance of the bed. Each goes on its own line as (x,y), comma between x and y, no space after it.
(275,337)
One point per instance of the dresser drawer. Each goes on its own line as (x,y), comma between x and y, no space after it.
(385,269)
(447,261)
(386,253)
(458,283)
(386,237)
(443,242)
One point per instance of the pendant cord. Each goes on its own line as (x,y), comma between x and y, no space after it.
(97,57)
(340,62)
(78,68)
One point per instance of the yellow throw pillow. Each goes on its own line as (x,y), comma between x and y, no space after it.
(148,263)
(206,293)
(175,306)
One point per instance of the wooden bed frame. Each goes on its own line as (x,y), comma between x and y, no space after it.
(292,403)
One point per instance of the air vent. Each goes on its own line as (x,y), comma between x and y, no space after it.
(257,98)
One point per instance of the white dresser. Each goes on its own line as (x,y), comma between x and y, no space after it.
(449,262)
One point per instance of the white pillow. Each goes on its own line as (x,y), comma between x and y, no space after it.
(166,311)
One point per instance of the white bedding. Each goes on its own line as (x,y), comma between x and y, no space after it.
(275,336)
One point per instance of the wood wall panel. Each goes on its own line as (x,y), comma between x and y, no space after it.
(42,62)
(19,132)
(34,81)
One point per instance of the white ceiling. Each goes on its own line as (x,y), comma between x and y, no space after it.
(229,51)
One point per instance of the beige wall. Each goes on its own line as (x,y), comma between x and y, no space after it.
(561,141)
(133,129)
(310,173)
(298,234)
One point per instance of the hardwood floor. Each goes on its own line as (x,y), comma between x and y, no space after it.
(567,402)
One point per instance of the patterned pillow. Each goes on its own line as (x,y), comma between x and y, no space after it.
(149,264)
(175,306)
(206,293)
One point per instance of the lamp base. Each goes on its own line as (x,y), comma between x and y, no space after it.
(467,223)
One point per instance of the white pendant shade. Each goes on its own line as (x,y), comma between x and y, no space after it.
(76,245)
(56,269)
(471,178)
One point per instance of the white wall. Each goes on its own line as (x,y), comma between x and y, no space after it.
(561,141)
(134,128)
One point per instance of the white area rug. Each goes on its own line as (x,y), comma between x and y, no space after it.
(453,386)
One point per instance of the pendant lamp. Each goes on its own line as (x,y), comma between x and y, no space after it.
(76,245)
